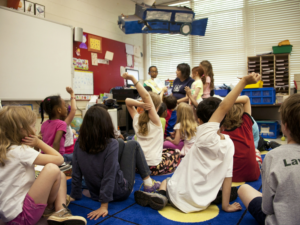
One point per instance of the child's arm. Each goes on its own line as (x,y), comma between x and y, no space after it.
(164,89)
(71,115)
(230,99)
(246,103)
(146,99)
(184,99)
(189,94)
(57,138)
(226,191)
(50,156)
(176,140)
(131,104)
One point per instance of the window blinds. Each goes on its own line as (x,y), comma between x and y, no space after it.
(236,29)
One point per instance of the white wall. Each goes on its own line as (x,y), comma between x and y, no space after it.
(97,17)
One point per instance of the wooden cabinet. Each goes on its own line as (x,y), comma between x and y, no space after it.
(274,70)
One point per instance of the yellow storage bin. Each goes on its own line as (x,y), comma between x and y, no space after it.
(259,84)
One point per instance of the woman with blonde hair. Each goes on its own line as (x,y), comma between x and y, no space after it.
(149,132)
(185,128)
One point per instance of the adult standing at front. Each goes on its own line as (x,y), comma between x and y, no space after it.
(183,79)
(155,83)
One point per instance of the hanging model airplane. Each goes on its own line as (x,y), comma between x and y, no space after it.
(162,19)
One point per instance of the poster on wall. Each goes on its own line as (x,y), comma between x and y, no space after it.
(29,7)
(40,10)
(21,6)
(81,64)
(94,43)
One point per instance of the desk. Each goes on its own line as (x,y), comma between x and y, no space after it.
(266,112)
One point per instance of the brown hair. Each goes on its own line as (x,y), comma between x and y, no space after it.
(233,118)
(290,115)
(185,116)
(208,71)
(170,101)
(200,72)
(144,117)
(15,124)
(96,130)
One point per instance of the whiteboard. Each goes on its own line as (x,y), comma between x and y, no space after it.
(36,57)
(83,82)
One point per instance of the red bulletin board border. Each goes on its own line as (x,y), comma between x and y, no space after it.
(105,76)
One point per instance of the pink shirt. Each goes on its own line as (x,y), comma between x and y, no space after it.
(49,129)
(206,91)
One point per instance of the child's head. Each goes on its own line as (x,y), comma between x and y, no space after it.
(290,117)
(185,116)
(149,89)
(162,111)
(183,71)
(96,130)
(233,118)
(206,109)
(171,102)
(144,117)
(197,72)
(208,70)
(16,122)
(153,71)
(55,107)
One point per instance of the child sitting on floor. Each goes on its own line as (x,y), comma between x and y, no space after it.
(238,125)
(54,130)
(23,199)
(149,132)
(171,103)
(279,202)
(108,165)
(208,165)
(185,128)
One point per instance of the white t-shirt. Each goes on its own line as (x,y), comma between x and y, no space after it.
(152,144)
(200,175)
(69,137)
(16,178)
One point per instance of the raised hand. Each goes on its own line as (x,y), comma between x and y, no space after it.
(252,78)
(146,106)
(70,90)
(126,76)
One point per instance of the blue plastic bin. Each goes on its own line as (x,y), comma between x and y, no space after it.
(222,92)
(261,96)
(274,129)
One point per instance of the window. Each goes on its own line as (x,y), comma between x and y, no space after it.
(158,15)
(184,17)
(236,29)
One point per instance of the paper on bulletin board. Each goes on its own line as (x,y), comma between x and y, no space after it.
(109,55)
(129,49)
(83,82)
(129,61)
(94,59)
(137,59)
(122,70)
(137,51)
(81,64)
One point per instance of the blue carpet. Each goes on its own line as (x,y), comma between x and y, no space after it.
(128,212)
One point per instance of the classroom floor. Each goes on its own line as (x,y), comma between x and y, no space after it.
(128,212)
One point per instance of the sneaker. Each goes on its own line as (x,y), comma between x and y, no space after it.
(154,200)
(65,217)
(48,212)
(233,196)
(155,186)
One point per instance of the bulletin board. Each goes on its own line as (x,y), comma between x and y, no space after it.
(83,82)
(105,76)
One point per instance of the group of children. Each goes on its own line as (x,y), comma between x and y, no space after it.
(206,142)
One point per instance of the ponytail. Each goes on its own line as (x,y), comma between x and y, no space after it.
(143,123)
(5,143)
(48,105)
(42,111)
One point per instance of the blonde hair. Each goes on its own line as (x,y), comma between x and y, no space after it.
(234,117)
(185,116)
(209,72)
(15,124)
(144,117)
